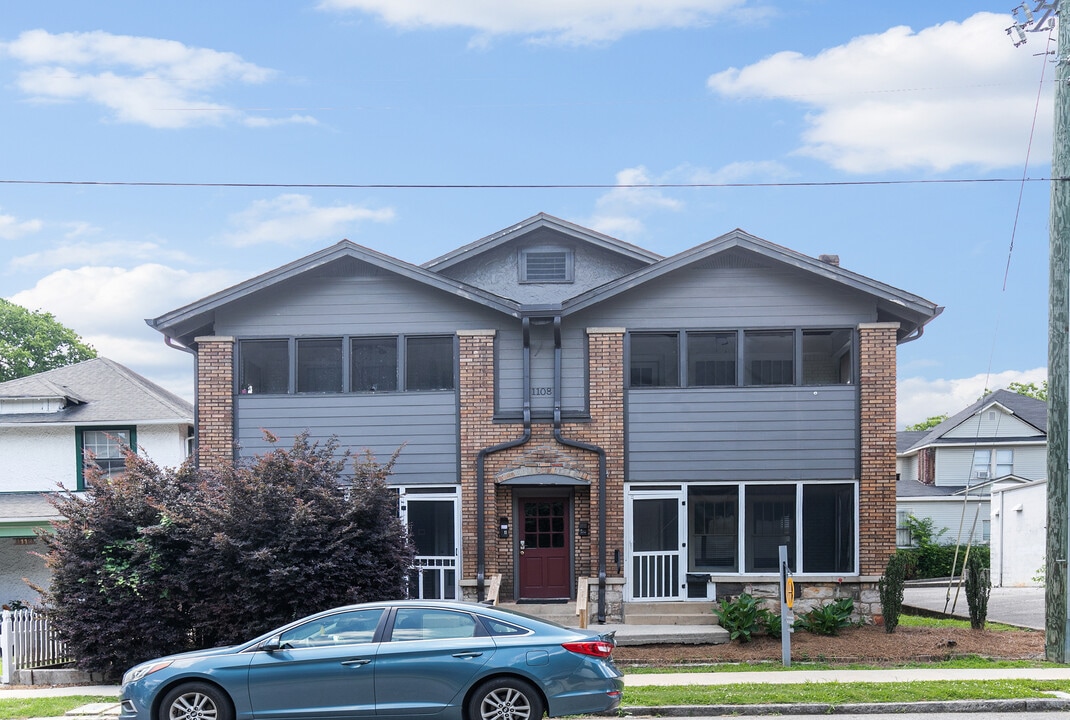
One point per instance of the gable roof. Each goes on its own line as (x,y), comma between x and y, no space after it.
(95,392)
(1029,410)
(537,222)
(912,311)
(197,318)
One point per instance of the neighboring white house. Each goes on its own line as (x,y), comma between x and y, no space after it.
(1019,533)
(48,422)
(948,474)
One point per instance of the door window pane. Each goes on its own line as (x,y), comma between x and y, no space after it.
(374,363)
(319,365)
(345,628)
(654,360)
(826,357)
(711,359)
(429,363)
(769,357)
(714,529)
(770,523)
(265,366)
(828,528)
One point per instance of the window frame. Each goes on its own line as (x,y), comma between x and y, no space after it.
(80,447)
(403,344)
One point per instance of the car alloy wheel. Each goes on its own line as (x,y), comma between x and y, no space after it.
(195,701)
(506,699)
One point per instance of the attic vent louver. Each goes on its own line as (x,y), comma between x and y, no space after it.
(544,265)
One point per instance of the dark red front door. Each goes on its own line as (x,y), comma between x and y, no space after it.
(545,554)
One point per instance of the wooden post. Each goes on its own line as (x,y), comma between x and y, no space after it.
(1055,572)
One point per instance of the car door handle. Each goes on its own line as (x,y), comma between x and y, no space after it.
(355,663)
(467,655)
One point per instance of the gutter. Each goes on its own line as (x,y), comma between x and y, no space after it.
(481,457)
(568,442)
(196,407)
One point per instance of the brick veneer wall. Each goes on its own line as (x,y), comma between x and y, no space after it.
(542,454)
(215,401)
(876,387)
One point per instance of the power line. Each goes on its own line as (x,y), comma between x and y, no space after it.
(523,186)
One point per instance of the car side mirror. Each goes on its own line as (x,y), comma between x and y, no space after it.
(272,644)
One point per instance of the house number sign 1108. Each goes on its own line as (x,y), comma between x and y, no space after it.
(542,391)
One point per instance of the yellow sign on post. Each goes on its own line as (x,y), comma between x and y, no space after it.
(789,592)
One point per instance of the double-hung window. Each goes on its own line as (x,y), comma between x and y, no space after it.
(103,448)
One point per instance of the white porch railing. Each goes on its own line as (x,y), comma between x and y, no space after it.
(26,641)
(655,576)
(434,577)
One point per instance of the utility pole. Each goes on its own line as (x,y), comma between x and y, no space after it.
(1057,613)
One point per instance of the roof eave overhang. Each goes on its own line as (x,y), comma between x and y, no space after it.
(911,310)
(542,220)
(198,318)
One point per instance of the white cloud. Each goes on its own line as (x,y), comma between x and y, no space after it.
(89,253)
(952,95)
(292,218)
(565,21)
(919,398)
(618,212)
(148,81)
(107,307)
(11,228)
(106,303)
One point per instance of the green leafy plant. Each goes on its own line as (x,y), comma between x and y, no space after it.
(827,619)
(890,587)
(978,587)
(742,617)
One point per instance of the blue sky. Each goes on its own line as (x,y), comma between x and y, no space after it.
(894,134)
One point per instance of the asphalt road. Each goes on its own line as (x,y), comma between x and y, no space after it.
(1020,606)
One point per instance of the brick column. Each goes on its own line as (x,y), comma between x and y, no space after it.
(477,431)
(215,402)
(876,389)
(605,348)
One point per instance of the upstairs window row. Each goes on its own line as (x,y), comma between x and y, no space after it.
(354,364)
(741,358)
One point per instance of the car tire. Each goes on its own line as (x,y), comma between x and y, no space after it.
(505,699)
(195,701)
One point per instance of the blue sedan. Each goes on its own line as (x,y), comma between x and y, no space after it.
(388,660)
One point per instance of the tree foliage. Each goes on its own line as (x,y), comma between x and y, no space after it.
(155,561)
(928,423)
(1030,389)
(34,341)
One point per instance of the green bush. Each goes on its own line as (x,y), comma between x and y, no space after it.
(152,561)
(743,617)
(930,558)
(890,587)
(827,619)
(978,587)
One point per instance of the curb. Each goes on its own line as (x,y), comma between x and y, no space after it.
(944,706)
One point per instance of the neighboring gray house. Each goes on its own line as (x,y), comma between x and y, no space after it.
(570,406)
(47,422)
(947,474)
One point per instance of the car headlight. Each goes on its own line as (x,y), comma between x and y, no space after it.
(142,670)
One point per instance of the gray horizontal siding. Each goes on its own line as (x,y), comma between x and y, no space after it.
(573,368)
(737,434)
(718,297)
(381,304)
(425,423)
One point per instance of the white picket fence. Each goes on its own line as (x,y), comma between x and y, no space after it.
(26,641)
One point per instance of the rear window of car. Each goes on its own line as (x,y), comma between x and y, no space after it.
(500,627)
